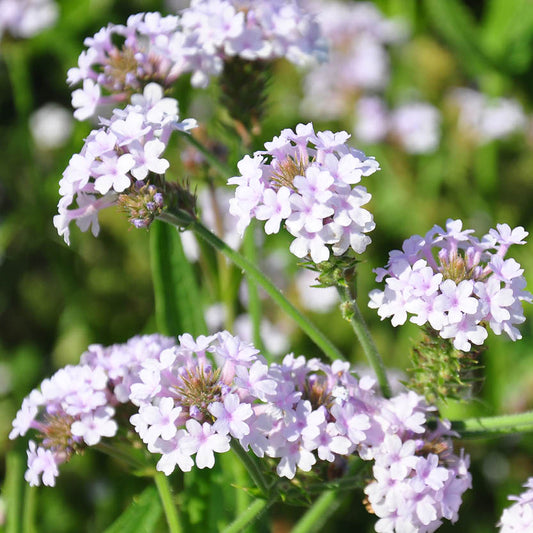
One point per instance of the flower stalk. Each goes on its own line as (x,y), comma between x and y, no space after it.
(251,466)
(491,426)
(169,507)
(352,313)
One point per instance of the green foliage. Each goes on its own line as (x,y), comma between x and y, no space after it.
(176,291)
(141,516)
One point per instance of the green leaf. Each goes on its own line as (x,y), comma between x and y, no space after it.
(141,516)
(177,296)
(507,32)
(454,22)
(12,491)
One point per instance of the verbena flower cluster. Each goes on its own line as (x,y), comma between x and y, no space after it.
(307,179)
(75,408)
(358,36)
(413,126)
(26,18)
(198,40)
(485,119)
(419,480)
(518,518)
(201,396)
(120,154)
(457,284)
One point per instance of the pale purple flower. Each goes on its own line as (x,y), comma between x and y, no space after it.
(371,120)
(274,209)
(86,100)
(159,420)
(358,61)
(230,416)
(203,440)
(116,157)
(461,289)
(487,119)
(172,455)
(42,464)
(121,59)
(518,517)
(306,180)
(456,300)
(413,488)
(415,126)
(93,426)
(26,18)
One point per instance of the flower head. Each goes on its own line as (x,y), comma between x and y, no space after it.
(75,408)
(117,158)
(456,283)
(308,180)
(518,517)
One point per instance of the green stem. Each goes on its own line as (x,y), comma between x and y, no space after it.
(314,519)
(171,511)
(254,303)
(15,58)
(251,466)
(253,512)
(491,426)
(224,170)
(30,508)
(12,491)
(184,219)
(353,314)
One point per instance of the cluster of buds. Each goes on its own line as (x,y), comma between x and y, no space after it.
(142,204)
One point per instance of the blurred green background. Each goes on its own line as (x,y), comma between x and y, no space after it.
(56,300)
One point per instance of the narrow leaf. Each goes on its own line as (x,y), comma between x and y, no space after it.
(12,491)
(141,516)
(454,22)
(177,296)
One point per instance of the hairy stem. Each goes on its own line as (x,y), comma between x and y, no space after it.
(353,315)
(253,512)
(490,426)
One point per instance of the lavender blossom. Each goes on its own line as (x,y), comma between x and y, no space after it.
(358,36)
(75,408)
(196,398)
(415,126)
(486,119)
(111,73)
(204,395)
(518,517)
(419,480)
(372,120)
(26,18)
(205,392)
(118,155)
(198,40)
(461,289)
(70,411)
(306,180)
